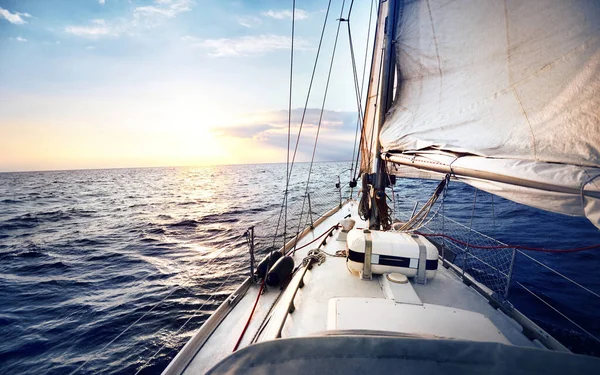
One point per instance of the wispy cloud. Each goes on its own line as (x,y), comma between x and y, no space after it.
(97,27)
(101,2)
(246,45)
(242,131)
(148,16)
(19,39)
(15,18)
(286,14)
(154,15)
(261,125)
(249,21)
(270,130)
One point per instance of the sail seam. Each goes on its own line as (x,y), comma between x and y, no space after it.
(437,52)
(507,45)
(528,123)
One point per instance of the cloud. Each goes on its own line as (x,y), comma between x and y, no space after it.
(90,47)
(246,45)
(286,14)
(148,16)
(249,21)
(154,15)
(19,39)
(101,2)
(15,18)
(98,27)
(242,131)
(336,137)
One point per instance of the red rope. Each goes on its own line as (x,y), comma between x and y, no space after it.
(511,246)
(237,344)
(313,241)
(262,285)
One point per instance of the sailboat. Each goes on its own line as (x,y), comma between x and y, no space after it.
(502,95)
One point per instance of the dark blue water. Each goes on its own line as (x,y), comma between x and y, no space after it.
(85,254)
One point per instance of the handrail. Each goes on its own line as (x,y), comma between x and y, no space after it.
(525,254)
(557,311)
(471,255)
(188,352)
(273,331)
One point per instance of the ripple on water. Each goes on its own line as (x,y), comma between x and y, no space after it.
(84,254)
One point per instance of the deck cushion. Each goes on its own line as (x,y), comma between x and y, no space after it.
(368,354)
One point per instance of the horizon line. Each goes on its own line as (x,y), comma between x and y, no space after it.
(163,166)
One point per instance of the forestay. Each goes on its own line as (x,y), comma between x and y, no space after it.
(368,139)
(504,94)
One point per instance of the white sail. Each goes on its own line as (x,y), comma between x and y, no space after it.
(515,85)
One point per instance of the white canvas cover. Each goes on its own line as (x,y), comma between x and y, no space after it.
(516,83)
(560,188)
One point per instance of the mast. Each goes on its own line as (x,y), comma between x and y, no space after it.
(378,198)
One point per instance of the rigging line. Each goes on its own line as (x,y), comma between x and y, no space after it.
(186,322)
(558,273)
(355,75)
(370,146)
(466,250)
(287,170)
(362,87)
(337,34)
(518,247)
(310,88)
(493,217)
(331,229)
(125,330)
(151,309)
(560,313)
(362,90)
(278,222)
(376,95)
(356,86)
(350,9)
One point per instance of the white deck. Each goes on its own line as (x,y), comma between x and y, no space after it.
(444,307)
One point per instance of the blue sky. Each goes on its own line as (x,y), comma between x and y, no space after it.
(119,83)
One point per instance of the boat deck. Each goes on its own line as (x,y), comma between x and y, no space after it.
(329,297)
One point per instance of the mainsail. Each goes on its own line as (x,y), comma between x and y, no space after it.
(503,94)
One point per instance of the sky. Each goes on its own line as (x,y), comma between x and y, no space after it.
(141,83)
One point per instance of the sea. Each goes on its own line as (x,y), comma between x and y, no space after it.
(111,271)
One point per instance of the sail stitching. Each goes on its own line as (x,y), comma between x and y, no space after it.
(437,52)
(582,195)
(507,45)
(528,122)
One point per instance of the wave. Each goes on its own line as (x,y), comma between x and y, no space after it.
(188,223)
(9,201)
(43,267)
(219,218)
(155,229)
(86,261)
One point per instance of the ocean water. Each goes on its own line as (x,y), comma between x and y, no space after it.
(111,271)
